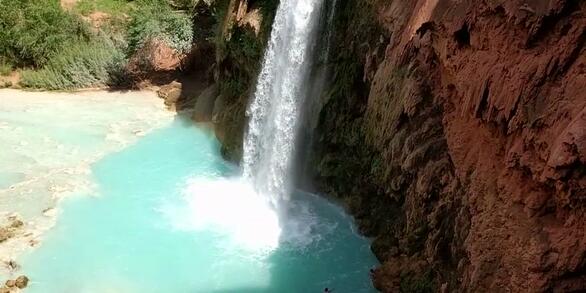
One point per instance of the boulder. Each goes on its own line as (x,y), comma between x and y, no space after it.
(171,93)
(5,234)
(21,282)
(156,56)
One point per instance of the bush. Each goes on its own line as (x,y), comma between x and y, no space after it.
(5,68)
(112,7)
(155,19)
(82,65)
(33,31)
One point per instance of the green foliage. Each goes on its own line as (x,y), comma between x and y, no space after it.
(244,54)
(85,64)
(5,68)
(114,8)
(62,52)
(348,74)
(115,23)
(233,87)
(189,4)
(155,19)
(268,8)
(33,31)
(244,44)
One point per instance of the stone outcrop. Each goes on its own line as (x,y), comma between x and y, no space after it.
(10,228)
(170,93)
(245,30)
(15,285)
(156,56)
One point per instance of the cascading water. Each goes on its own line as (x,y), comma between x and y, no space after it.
(169,208)
(280,93)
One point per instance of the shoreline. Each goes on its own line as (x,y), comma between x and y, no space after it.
(33,184)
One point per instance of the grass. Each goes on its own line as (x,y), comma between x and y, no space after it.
(115,8)
(82,65)
(5,68)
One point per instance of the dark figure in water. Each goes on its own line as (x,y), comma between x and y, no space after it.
(327,290)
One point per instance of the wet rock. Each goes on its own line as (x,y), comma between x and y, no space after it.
(204,107)
(12,265)
(170,93)
(10,283)
(21,282)
(10,228)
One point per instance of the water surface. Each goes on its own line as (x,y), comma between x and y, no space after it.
(169,215)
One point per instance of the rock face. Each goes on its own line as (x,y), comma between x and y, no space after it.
(156,56)
(171,93)
(458,139)
(244,32)
(455,132)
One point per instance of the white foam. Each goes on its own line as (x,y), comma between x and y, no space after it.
(231,207)
(228,206)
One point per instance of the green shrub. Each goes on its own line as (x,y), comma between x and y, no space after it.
(5,68)
(79,66)
(244,44)
(33,31)
(188,4)
(156,19)
(233,87)
(114,8)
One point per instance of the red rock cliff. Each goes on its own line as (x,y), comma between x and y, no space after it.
(456,133)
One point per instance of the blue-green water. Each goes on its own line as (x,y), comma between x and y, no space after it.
(169,215)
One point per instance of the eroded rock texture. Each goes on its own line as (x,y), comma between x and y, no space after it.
(456,133)
(245,29)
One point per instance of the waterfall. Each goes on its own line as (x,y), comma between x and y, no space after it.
(280,93)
